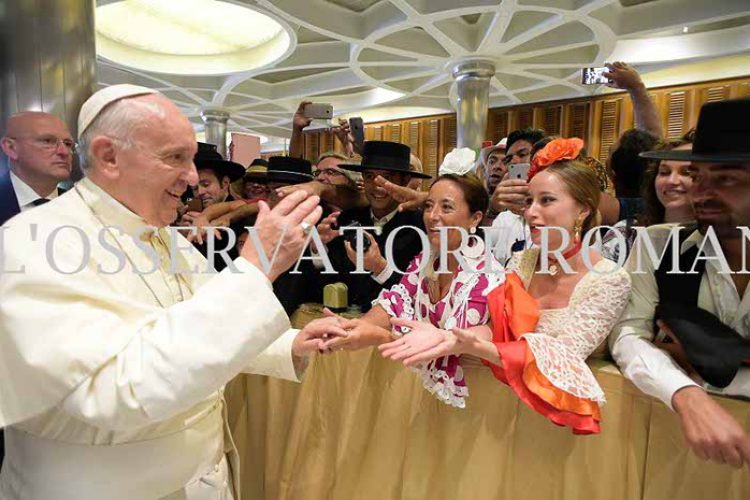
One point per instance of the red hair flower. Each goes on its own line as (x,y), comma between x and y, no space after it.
(556,150)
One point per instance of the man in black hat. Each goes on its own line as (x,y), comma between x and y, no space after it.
(291,288)
(389,160)
(703,317)
(215,174)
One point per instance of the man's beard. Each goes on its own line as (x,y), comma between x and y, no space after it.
(723,222)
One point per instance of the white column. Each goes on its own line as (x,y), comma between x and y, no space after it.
(472,78)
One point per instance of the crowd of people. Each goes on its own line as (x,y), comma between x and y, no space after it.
(93,360)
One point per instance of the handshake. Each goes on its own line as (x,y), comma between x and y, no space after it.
(422,343)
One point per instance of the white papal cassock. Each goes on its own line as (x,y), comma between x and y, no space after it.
(111,382)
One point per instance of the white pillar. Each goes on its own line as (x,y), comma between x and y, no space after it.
(472,78)
(215,121)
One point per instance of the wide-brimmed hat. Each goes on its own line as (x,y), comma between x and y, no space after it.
(385,155)
(722,135)
(486,152)
(257,171)
(289,170)
(208,157)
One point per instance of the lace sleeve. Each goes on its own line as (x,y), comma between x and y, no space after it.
(593,310)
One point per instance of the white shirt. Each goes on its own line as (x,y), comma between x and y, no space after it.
(25,195)
(651,369)
(506,229)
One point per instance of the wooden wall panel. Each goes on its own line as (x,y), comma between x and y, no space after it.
(609,127)
(598,120)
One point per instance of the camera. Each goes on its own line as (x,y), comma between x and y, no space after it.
(351,236)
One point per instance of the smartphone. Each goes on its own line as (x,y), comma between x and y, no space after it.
(519,171)
(358,131)
(195,205)
(594,76)
(318,111)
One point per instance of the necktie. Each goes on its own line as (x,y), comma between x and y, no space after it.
(39,201)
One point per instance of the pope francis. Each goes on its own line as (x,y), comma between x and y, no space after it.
(115,343)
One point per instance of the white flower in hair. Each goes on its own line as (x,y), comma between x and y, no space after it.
(459,162)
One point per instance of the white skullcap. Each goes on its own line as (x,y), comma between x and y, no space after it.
(103,98)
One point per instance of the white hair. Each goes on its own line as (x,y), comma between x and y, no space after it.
(118,121)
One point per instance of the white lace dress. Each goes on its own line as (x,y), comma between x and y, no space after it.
(546,365)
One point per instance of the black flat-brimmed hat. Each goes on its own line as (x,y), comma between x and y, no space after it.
(208,157)
(288,170)
(385,155)
(722,135)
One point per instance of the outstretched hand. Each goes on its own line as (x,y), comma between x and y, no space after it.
(424,342)
(408,199)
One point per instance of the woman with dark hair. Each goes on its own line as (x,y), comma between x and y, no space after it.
(444,289)
(547,318)
(665,187)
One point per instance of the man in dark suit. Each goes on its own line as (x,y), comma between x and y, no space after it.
(40,149)
(389,160)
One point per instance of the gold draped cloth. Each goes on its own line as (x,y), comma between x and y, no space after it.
(363,428)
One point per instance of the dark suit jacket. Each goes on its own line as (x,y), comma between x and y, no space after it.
(8,200)
(363,289)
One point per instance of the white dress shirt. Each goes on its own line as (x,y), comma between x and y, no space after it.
(25,195)
(651,369)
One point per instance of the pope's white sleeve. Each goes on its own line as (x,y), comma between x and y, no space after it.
(182,354)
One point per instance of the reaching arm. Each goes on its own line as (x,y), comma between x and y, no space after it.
(299,122)
(624,76)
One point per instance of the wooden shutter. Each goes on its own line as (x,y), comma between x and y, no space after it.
(393,132)
(551,120)
(412,137)
(608,130)
(578,121)
(498,125)
(525,118)
(431,143)
(714,94)
(675,114)
(376,133)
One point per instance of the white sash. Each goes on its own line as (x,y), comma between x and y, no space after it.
(189,460)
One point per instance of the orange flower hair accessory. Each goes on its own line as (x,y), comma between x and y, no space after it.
(556,150)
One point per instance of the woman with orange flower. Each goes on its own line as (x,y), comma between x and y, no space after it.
(547,318)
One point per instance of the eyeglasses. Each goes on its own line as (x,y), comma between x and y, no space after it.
(329,172)
(51,143)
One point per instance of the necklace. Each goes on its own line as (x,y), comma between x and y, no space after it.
(554,268)
(130,261)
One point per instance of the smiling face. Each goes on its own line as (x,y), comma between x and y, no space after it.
(210,189)
(551,204)
(381,202)
(149,170)
(719,195)
(446,206)
(328,172)
(673,182)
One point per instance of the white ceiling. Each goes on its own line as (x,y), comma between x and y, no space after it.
(368,54)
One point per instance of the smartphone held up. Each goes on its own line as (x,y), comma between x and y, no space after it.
(594,76)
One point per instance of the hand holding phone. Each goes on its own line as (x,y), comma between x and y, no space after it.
(519,171)
(357,127)
(594,76)
(318,111)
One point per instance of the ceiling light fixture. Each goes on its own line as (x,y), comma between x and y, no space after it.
(189,36)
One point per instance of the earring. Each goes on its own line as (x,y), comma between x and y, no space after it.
(472,230)
(577,231)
